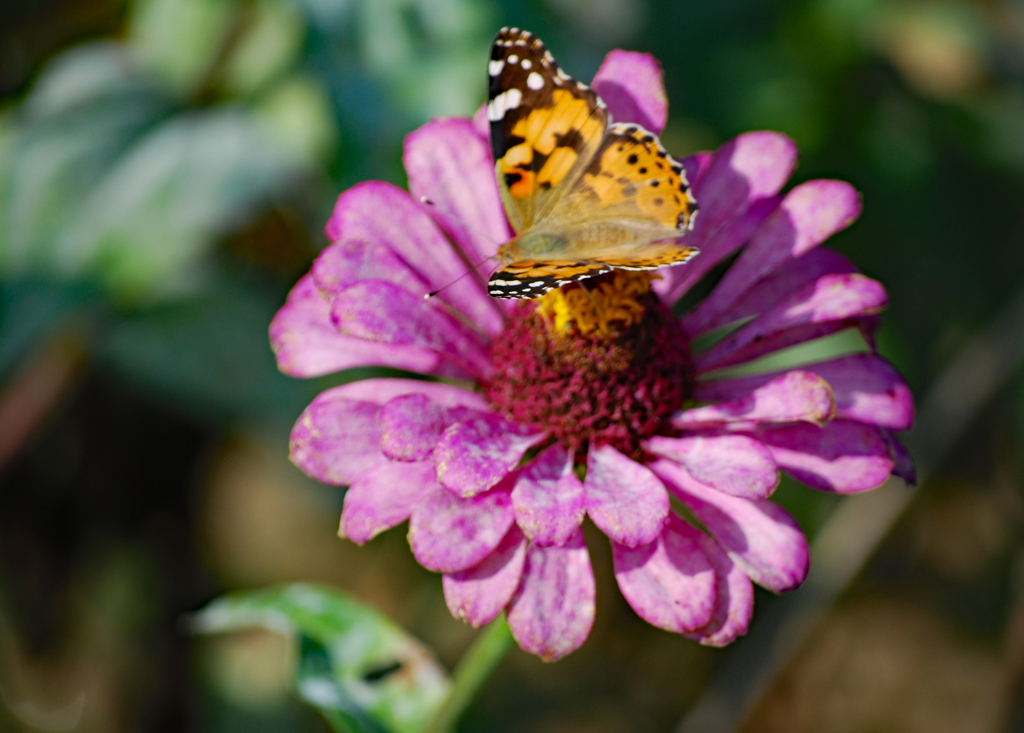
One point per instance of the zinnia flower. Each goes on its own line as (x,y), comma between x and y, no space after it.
(591,401)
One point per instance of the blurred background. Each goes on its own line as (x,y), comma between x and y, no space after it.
(166,168)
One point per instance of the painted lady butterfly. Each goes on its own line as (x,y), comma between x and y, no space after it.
(584,196)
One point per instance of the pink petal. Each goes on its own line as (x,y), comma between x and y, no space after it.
(626,501)
(869,389)
(477,595)
(715,245)
(349,261)
(796,395)
(380,213)
(747,171)
(552,611)
(308,344)
(866,388)
(449,163)
(734,598)
(669,582)
(697,165)
(787,337)
(808,215)
(830,298)
(336,439)
(735,464)
(844,456)
(548,497)
(759,536)
(381,390)
(448,533)
(792,276)
(815,210)
(474,455)
(338,436)
(631,84)
(481,125)
(379,311)
(412,424)
(383,496)
(904,467)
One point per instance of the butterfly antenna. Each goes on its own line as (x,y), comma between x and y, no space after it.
(471,228)
(460,220)
(474,268)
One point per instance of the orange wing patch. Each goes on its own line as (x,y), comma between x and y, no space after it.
(545,125)
(553,139)
(633,167)
(655,256)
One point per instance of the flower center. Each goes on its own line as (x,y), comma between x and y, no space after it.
(603,360)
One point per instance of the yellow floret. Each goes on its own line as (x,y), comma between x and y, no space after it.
(609,307)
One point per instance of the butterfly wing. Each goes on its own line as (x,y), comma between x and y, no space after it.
(630,204)
(545,126)
(533,279)
(626,211)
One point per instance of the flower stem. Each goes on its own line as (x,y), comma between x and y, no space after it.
(480,660)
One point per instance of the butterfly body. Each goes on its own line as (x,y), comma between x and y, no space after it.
(584,196)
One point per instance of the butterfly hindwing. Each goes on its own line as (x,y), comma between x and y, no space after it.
(633,179)
(545,126)
(653,257)
(533,279)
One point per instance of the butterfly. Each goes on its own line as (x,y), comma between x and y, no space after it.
(584,195)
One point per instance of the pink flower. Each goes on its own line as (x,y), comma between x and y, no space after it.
(532,419)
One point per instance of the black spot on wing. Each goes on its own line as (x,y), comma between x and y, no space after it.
(572,139)
(538,161)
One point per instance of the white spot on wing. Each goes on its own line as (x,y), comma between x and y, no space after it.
(535,81)
(495,67)
(502,103)
(527,64)
(513,59)
(496,108)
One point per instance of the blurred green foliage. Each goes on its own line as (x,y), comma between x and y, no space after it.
(360,670)
(164,181)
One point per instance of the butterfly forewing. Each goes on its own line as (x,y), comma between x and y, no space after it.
(545,126)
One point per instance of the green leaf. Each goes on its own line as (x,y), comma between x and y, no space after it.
(166,200)
(360,670)
(31,311)
(209,354)
(180,40)
(86,109)
(270,46)
(316,685)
